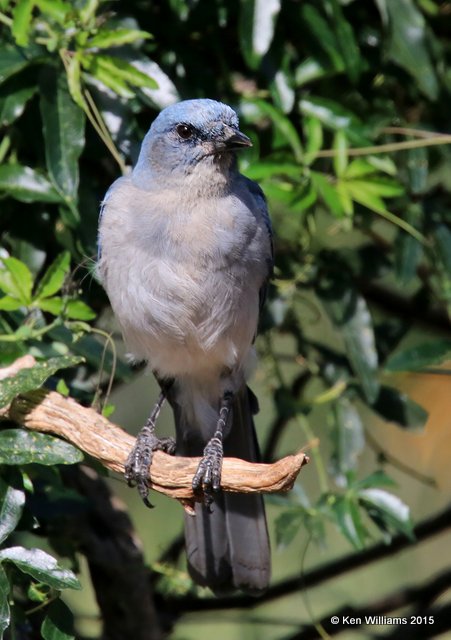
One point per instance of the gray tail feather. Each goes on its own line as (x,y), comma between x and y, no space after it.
(229,548)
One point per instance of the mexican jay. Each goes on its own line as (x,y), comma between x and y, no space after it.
(185,256)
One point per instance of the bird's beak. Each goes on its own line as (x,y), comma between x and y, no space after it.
(232,140)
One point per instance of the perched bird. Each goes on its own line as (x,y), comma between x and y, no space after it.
(185,253)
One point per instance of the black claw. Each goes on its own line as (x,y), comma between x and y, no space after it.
(138,462)
(208,475)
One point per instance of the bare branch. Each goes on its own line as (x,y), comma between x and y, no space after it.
(50,412)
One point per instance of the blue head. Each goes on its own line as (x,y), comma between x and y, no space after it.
(187,135)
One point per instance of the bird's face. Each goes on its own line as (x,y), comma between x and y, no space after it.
(188,134)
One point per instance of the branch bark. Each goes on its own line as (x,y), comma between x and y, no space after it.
(50,412)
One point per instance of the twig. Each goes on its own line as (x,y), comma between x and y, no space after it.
(418,597)
(49,412)
(423,531)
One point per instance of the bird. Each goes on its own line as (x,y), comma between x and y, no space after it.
(185,256)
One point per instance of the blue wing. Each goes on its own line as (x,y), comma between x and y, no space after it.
(262,205)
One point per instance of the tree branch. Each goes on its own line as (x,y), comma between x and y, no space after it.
(424,530)
(420,597)
(50,412)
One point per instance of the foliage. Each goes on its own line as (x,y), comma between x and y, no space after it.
(342,101)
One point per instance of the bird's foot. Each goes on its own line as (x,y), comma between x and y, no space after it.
(208,475)
(139,460)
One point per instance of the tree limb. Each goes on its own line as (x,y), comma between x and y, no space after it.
(419,597)
(424,530)
(50,412)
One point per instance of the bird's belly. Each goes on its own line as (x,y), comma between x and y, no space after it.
(186,321)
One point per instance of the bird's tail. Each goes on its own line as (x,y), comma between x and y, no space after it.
(229,548)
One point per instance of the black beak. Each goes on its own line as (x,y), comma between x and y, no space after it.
(232,140)
(237,141)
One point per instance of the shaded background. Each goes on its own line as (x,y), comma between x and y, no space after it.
(347,104)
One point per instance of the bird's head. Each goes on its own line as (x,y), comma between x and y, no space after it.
(188,134)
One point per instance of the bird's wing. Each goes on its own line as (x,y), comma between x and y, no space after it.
(103,206)
(262,205)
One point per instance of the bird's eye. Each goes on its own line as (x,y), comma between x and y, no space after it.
(184,131)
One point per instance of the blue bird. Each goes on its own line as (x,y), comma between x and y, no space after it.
(186,254)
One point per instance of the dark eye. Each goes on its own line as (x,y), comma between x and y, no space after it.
(184,131)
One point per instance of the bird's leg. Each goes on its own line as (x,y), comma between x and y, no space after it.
(208,475)
(139,460)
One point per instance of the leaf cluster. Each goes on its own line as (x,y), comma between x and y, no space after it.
(346,103)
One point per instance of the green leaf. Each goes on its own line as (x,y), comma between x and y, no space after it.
(327,193)
(283,125)
(359,168)
(345,197)
(340,159)
(385,164)
(41,566)
(360,345)
(55,305)
(348,439)
(314,134)
(26,185)
(408,46)
(62,388)
(423,355)
(5,614)
(63,124)
(33,377)
(349,312)
(22,16)
(377,479)
(7,303)
(309,70)
(324,35)
(73,71)
(381,187)
(334,116)
(12,60)
(58,623)
(117,38)
(73,309)
(16,279)
(408,251)
(18,446)
(347,516)
(11,506)
(373,202)
(282,88)
(120,71)
(387,510)
(395,406)
(14,96)
(111,81)
(54,277)
(267,169)
(287,525)
(56,9)
(347,43)
(79,310)
(441,235)
(257,24)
